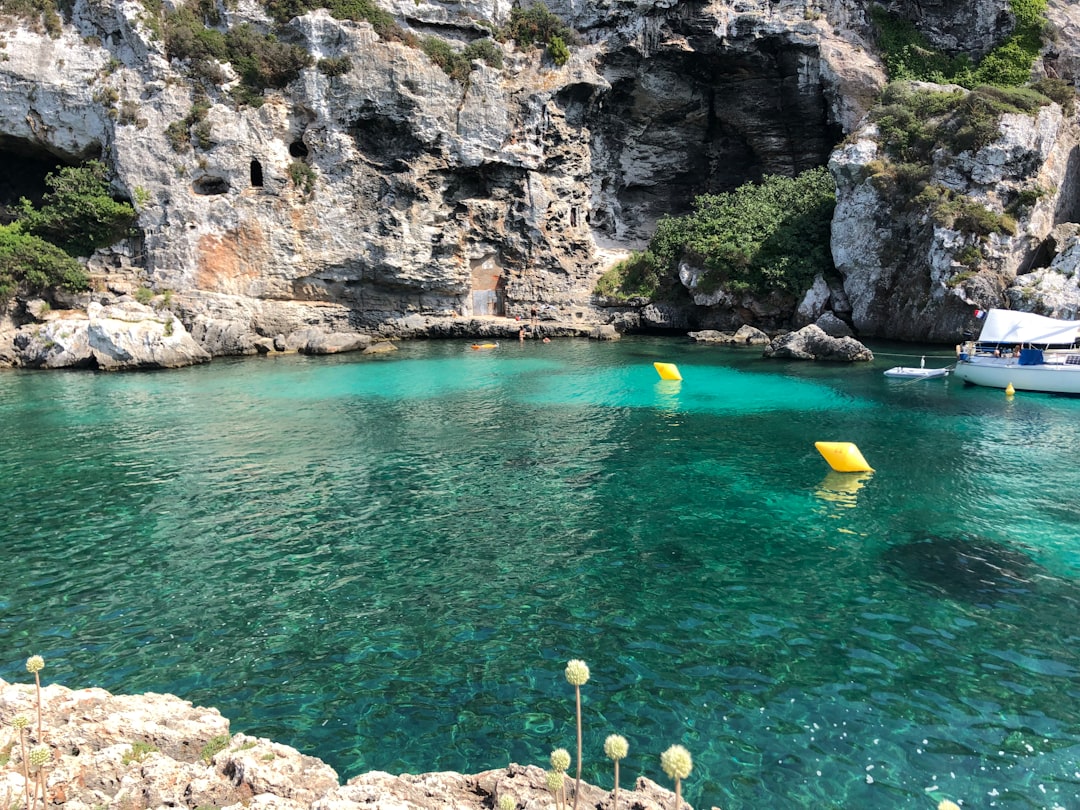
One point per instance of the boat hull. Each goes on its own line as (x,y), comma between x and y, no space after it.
(1002,372)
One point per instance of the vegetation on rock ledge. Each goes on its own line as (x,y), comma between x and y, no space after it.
(759,239)
(77,216)
(909,55)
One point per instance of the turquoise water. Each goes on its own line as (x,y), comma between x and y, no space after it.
(387,562)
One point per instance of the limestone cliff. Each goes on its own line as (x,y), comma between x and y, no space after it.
(388,198)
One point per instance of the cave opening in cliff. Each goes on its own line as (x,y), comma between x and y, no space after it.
(298,149)
(679,124)
(25,169)
(256,174)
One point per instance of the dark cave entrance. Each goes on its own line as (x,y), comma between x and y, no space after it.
(256,174)
(680,124)
(23,175)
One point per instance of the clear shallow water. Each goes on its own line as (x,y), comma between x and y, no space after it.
(386,563)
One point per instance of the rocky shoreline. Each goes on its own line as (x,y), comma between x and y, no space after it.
(143,752)
(113,332)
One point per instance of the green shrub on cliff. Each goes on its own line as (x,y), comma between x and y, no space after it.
(32,264)
(638,276)
(915,122)
(761,238)
(78,214)
(260,59)
(909,55)
(533,25)
(357,10)
(43,13)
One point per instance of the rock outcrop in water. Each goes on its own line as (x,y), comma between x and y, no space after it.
(157,751)
(390,200)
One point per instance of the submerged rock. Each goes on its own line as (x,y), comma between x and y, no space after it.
(965,567)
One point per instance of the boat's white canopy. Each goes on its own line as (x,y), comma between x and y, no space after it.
(1006,326)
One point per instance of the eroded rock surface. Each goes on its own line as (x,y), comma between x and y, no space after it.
(157,751)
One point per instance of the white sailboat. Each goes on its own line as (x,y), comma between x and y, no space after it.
(1026,351)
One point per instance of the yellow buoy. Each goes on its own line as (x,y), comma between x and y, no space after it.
(667,371)
(843,456)
(1009,390)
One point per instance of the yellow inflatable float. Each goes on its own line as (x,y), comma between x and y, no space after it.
(667,371)
(843,456)
(485,345)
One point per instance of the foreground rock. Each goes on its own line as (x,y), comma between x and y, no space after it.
(811,343)
(158,751)
(121,336)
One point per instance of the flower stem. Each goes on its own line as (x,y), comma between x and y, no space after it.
(37,683)
(577,782)
(25,767)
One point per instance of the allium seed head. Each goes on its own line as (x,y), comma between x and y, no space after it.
(21,721)
(560,759)
(507,802)
(945,804)
(577,672)
(676,762)
(39,755)
(554,780)
(35,663)
(616,747)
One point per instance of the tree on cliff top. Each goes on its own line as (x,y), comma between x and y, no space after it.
(79,213)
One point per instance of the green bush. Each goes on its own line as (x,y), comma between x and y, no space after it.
(908,55)
(760,238)
(302,176)
(78,214)
(259,59)
(138,751)
(458,64)
(30,263)
(914,122)
(262,61)
(536,25)
(638,276)
(1057,90)
(357,10)
(214,745)
(559,51)
(487,50)
(42,14)
(334,65)
(453,63)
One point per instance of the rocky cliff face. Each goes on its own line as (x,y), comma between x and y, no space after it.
(392,199)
